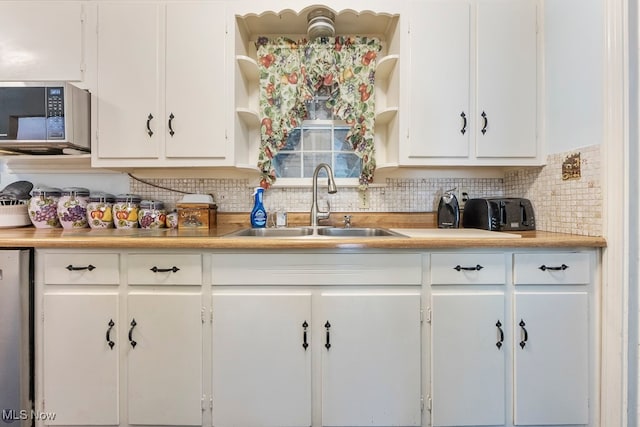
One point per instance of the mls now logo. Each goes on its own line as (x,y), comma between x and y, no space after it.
(11,415)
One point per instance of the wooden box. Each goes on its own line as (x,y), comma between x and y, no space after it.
(197,215)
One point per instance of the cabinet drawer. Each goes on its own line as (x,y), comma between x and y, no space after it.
(468,269)
(82,269)
(317,269)
(566,268)
(164,269)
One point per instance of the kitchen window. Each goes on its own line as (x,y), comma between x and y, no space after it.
(317,105)
(322,138)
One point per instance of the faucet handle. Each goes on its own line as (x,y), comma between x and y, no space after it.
(324,214)
(347,221)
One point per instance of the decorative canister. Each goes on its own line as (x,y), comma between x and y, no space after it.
(43,207)
(72,207)
(100,210)
(125,211)
(152,214)
(172,219)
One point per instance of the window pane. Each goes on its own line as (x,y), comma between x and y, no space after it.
(287,164)
(293,141)
(311,160)
(316,139)
(339,140)
(347,165)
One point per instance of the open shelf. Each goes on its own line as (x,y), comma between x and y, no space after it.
(248,68)
(249,117)
(385,66)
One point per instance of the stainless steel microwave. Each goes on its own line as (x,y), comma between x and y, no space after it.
(44,118)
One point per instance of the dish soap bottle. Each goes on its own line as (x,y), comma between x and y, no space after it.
(258,214)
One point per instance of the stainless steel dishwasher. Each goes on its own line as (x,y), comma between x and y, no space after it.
(16,337)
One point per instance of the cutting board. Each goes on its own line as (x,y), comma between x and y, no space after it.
(454,233)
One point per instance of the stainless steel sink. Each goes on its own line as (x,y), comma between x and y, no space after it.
(358,232)
(310,232)
(272,232)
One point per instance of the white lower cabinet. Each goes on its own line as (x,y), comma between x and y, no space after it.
(514,353)
(80,373)
(113,353)
(468,358)
(164,358)
(551,358)
(263,339)
(261,365)
(338,353)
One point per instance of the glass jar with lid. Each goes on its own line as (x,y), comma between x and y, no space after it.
(125,211)
(152,214)
(43,207)
(100,210)
(72,207)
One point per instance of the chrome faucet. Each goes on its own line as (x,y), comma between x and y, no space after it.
(316,213)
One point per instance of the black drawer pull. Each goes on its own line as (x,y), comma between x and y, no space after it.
(131,340)
(563,267)
(485,123)
(328,343)
(305,325)
(501,332)
(70,267)
(149,131)
(524,334)
(173,269)
(111,325)
(171,117)
(478,267)
(464,123)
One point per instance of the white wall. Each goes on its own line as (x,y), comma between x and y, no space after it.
(573,69)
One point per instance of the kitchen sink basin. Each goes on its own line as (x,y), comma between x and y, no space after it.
(314,232)
(358,232)
(272,232)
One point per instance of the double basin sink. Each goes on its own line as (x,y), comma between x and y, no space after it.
(311,231)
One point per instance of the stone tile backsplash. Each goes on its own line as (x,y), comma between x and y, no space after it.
(561,206)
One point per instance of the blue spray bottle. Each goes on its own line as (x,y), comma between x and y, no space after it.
(258,214)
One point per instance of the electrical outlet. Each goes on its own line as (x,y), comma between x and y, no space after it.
(363,198)
(462,196)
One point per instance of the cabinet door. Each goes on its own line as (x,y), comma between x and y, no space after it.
(261,366)
(370,359)
(551,349)
(80,367)
(196,90)
(41,40)
(131,123)
(468,359)
(439,81)
(164,381)
(506,78)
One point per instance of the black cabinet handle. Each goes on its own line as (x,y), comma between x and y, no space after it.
(523,333)
(89,267)
(149,131)
(305,325)
(173,269)
(485,122)
(111,325)
(563,267)
(171,117)
(327,327)
(478,267)
(501,332)
(131,340)
(464,123)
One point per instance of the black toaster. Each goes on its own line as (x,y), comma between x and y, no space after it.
(499,214)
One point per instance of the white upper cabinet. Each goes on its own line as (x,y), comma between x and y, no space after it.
(161,95)
(472,84)
(41,41)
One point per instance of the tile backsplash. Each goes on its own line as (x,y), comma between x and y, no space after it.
(561,206)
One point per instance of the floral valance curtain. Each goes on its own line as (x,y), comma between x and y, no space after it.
(290,74)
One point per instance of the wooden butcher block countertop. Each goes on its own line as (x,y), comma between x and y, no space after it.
(420,234)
